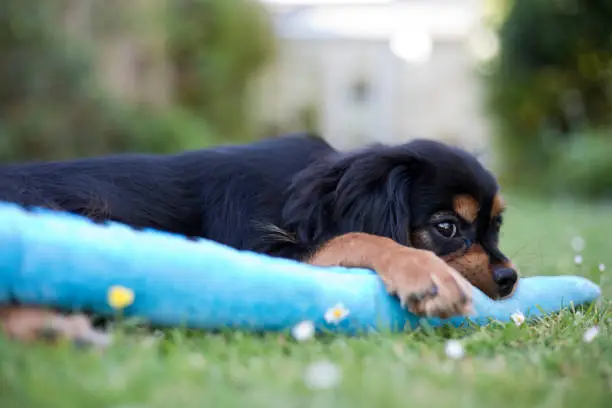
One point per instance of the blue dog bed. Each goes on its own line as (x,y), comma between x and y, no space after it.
(66,261)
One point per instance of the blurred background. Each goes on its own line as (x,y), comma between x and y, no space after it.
(527,84)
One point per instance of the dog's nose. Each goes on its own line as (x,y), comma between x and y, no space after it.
(505,278)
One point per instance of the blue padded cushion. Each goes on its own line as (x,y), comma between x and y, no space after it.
(66,261)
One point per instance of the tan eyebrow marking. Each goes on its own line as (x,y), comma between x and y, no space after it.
(467,207)
(499,205)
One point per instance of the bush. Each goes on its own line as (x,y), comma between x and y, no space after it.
(550,83)
(53,107)
(216,48)
(583,167)
(47,96)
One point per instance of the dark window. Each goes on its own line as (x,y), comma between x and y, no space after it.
(360,91)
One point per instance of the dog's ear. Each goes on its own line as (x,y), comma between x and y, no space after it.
(367,191)
(308,212)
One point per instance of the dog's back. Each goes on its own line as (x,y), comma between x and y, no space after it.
(217,193)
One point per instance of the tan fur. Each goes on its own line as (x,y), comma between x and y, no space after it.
(499,205)
(474,266)
(467,207)
(423,282)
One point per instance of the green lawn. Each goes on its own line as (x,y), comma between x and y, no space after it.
(545,364)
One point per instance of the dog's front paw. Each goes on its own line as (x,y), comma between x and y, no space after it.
(425,284)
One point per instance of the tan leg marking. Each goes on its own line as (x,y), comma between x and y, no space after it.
(424,283)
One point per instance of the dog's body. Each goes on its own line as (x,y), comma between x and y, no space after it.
(226,194)
(389,208)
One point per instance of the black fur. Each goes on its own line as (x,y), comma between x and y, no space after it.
(283,196)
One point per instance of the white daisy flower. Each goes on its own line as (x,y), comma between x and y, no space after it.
(518,318)
(578,243)
(303,331)
(322,375)
(601,267)
(336,313)
(590,334)
(578,259)
(454,350)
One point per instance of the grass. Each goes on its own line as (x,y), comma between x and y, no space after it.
(544,364)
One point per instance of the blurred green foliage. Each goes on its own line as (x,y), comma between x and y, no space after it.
(53,106)
(551,95)
(583,167)
(216,46)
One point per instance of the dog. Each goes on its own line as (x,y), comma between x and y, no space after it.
(424,215)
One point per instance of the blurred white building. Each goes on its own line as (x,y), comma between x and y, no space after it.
(377,70)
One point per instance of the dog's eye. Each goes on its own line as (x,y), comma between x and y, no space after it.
(447,229)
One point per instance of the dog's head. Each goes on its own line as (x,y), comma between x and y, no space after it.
(456,211)
(423,194)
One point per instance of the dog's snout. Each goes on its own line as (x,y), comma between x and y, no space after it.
(505,278)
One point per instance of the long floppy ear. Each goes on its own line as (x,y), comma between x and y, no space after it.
(367,191)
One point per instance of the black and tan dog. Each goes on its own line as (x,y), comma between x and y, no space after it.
(416,213)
